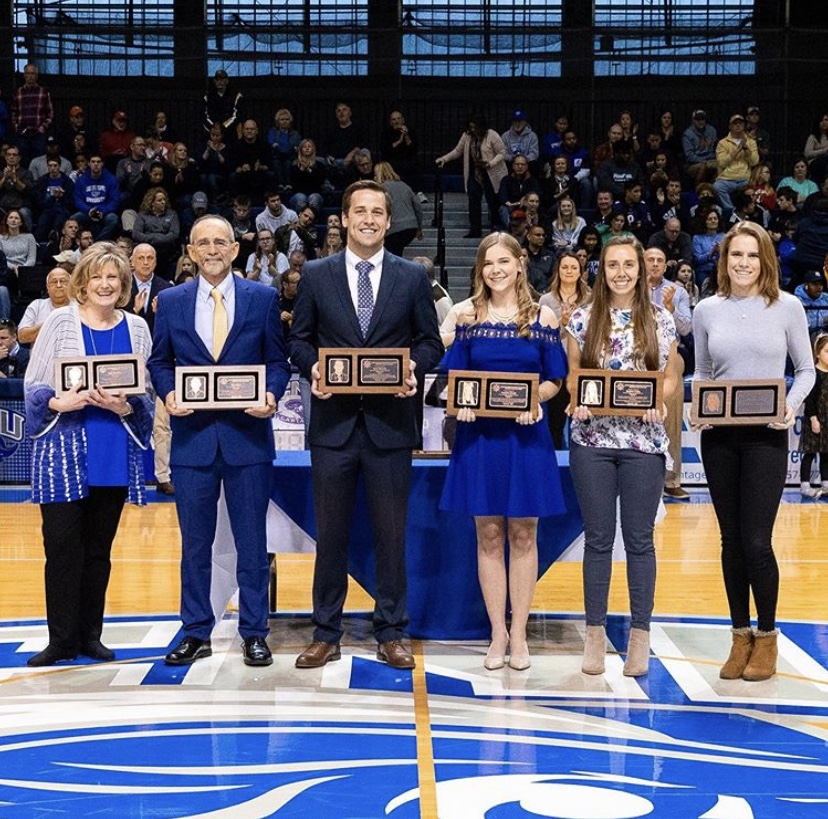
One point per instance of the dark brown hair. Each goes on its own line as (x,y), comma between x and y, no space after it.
(645,338)
(364,185)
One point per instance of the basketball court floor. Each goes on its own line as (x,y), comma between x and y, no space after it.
(358,740)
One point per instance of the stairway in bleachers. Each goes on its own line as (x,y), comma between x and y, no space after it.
(460,252)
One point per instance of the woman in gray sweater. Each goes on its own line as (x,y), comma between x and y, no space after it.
(406,210)
(16,242)
(746,331)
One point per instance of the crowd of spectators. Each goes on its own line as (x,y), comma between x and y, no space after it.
(678,190)
(675,186)
(65,186)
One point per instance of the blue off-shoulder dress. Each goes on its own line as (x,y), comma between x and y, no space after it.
(497,466)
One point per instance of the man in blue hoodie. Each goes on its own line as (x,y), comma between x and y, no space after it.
(815,300)
(96,198)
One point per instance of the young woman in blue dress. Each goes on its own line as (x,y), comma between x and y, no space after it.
(620,456)
(503,472)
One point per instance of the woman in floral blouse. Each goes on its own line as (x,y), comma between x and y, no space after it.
(620,456)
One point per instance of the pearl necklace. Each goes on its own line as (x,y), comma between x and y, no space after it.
(499,318)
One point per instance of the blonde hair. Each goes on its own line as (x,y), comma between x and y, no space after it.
(384,172)
(302,161)
(149,196)
(95,258)
(527,308)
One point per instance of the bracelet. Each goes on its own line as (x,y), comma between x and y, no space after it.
(130,411)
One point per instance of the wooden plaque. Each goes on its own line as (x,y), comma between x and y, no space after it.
(116,373)
(492,394)
(618,392)
(359,370)
(220,388)
(738,403)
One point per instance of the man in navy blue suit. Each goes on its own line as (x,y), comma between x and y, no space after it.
(220,319)
(362,297)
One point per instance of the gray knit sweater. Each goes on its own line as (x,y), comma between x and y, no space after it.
(747,338)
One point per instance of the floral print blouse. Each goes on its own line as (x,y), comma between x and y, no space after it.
(622,431)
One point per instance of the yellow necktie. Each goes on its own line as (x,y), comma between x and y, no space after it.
(219,322)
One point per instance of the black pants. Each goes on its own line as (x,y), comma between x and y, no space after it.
(807,463)
(476,190)
(387,477)
(556,417)
(77,538)
(746,469)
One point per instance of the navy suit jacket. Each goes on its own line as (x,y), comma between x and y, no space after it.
(156,286)
(255,338)
(404,316)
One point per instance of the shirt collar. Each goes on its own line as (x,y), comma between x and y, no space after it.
(352,259)
(225,286)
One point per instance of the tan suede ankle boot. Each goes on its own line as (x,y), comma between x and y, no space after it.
(638,653)
(740,651)
(762,663)
(595,647)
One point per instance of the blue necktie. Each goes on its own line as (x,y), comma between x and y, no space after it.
(365,296)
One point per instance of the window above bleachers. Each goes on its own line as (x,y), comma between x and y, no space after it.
(414,38)
(92,39)
(305,38)
(674,38)
(481,38)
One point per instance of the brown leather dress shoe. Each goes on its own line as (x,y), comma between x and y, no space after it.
(165,488)
(395,654)
(318,654)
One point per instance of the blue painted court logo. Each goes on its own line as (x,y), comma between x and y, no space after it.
(222,740)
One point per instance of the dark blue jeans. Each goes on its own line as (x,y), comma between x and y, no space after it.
(746,469)
(601,476)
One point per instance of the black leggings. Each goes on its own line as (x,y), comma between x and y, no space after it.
(808,461)
(746,469)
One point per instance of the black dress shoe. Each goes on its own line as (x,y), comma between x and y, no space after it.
(51,655)
(188,651)
(97,651)
(473,234)
(256,652)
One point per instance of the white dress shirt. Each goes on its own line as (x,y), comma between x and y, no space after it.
(375,275)
(205,307)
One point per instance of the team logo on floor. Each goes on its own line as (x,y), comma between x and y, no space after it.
(222,740)
(12,432)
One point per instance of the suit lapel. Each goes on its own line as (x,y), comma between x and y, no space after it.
(243,297)
(339,276)
(388,281)
(188,306)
